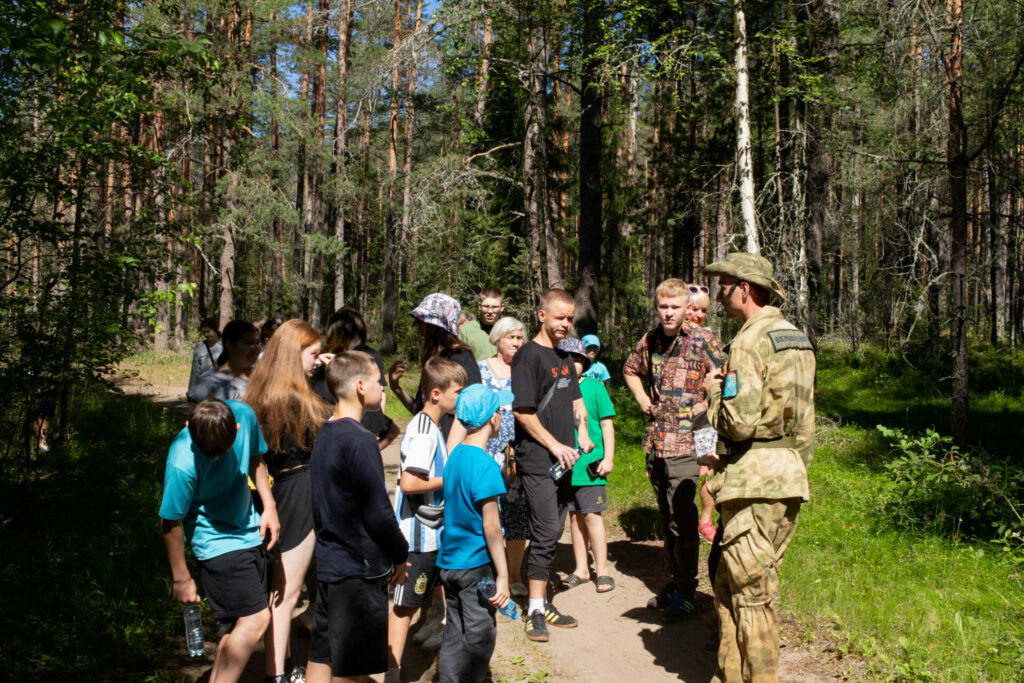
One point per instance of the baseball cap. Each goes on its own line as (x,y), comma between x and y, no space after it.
(591,340)
(477,403)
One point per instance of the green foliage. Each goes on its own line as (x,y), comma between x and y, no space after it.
(85,578)
(943,490)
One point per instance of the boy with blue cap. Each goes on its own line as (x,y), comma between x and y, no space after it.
(472,546)
(597,369)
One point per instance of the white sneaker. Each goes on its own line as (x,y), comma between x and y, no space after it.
(518,590)
(432,625)
(433,642)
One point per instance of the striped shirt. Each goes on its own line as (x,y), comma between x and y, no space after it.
(422,452)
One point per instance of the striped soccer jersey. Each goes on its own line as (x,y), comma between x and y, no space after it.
(422,452)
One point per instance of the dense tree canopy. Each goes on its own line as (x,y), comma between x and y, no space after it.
(162,161)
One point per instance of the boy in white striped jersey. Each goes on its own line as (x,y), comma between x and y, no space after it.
(419,500)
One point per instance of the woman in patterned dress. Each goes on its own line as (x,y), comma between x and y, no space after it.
(496,372)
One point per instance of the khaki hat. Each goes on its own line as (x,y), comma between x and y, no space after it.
(750,268)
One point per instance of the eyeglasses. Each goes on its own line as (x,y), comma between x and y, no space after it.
(492,308)
(698,288)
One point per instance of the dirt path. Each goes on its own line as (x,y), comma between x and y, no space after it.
(618,638)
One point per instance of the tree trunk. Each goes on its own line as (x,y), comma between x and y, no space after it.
(824,50)
(485,64)
(387,340)
(341,149)
(535,157)
(314,220)
(589,268)
(744,165)
(957,168)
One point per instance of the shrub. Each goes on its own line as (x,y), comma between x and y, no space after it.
(939,488)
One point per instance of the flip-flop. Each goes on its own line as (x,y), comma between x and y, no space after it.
(604,584)
(572,580)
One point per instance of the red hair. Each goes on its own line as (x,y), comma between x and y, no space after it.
(279,393)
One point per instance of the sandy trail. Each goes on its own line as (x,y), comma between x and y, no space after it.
(618,638)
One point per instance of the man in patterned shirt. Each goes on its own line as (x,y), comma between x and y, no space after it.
(666,372)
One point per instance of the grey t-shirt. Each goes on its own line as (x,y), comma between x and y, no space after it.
(216,384)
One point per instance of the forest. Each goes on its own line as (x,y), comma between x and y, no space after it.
(166,160)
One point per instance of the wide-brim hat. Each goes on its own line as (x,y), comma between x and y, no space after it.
(752,268)
(440,310)
(575,347)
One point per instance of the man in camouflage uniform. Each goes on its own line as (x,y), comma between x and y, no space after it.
(762,404)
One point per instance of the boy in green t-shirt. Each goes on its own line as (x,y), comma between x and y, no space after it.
(589,499)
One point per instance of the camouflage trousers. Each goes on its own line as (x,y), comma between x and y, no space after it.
(755,535)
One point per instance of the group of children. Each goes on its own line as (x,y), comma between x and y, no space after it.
(442,529)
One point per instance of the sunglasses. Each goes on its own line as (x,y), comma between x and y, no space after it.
(697,288)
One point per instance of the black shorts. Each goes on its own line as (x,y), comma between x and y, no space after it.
(294,498)
(587,499)
(423,574)
(237,583)
(350,627)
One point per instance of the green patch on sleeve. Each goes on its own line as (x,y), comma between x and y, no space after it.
(784,340)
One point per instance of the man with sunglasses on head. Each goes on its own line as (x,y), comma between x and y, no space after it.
(666,373)
(762,405)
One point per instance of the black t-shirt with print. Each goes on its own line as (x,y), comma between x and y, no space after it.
(535,369)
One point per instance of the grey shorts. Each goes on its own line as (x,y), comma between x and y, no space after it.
(587,499)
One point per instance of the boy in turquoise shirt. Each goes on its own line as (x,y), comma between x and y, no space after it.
(589,474)
(472,546)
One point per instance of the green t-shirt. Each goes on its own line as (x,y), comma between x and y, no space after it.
(599,407)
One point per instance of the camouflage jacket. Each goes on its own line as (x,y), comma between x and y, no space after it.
(774,366)
(673,376)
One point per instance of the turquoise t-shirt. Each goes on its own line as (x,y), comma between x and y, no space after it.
(470,477)
(599,406)
(212,499)
(598,371)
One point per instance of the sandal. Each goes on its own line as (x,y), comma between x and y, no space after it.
(604,584)
(707,531)
(572,580)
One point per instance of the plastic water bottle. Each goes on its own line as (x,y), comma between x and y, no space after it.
(558,470)
(194,630)
(488,588)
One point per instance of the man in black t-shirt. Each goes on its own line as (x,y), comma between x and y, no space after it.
(545,434)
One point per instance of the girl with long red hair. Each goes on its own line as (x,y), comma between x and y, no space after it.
(290,415)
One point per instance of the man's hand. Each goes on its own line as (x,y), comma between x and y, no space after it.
(604,468)
(270,523)
(395,373)
(184,591)
(502,595)
(398,574)
(710,461)
(566,455)
(714,377)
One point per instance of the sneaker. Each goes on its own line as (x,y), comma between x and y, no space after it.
(537,628)
(518,590)
(297,675)
(556,618)
(679,606)
(433,642)
(432,625)
(660,601)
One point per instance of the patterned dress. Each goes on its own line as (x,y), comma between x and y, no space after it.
(514,511)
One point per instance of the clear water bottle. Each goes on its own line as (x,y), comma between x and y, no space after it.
(558,470)
(488,588)
(194,630)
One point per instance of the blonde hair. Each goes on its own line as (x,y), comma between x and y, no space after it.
(441,373)
(279,393)
(698,299)
(670,288)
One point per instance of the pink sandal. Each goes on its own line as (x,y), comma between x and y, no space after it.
(707,531)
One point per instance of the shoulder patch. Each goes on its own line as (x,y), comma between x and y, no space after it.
(784,340)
